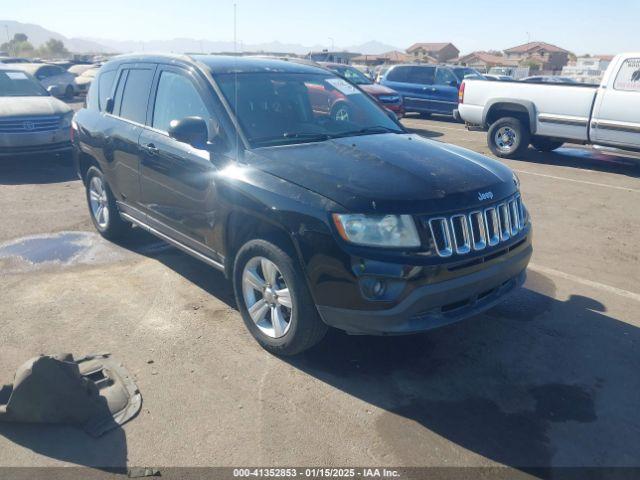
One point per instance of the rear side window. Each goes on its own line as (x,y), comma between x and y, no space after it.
(176,98)
(105,87)
(628,78)
(399,74)
(422,75)
(133,105)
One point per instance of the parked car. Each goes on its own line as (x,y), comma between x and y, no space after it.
(31,120)
(80,68)
(517,114)
(83,81)
(387,97)
(428,89)
(497,78)
(51,76)
(355,224)
(548,79)
(10,60)
(515,73)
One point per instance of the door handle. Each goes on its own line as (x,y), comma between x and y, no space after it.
(151,149)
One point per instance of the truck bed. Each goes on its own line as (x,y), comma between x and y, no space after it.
(561,110)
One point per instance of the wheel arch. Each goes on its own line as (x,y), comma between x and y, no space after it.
(85,162)
(523,110)
(243,226)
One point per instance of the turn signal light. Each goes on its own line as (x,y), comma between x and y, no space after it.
(461,93)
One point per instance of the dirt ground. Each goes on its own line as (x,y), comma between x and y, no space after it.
(548,378)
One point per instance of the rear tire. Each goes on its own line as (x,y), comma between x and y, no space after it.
(508,137)
(297,325)
(102,206)
(544,144)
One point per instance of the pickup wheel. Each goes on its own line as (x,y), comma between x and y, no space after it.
(102,206)
(274,300)
(508,137)
(543,144)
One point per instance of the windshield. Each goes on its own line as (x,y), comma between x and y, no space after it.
(285,108)
(352,74)
(19,84)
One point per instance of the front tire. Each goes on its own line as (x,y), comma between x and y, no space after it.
(508,137)
(102,206)
(544,144)
(274,300)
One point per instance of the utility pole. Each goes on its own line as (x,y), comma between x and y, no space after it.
(6,29)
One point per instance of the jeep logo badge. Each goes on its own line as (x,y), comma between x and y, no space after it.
(485,195)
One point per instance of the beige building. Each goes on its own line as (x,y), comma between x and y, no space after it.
(548,58)
(483,61)
(427,52)
(383,59)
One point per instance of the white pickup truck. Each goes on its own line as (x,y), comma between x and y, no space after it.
(517,114)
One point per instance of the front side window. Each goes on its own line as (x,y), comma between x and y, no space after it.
(628,78)
(19,84)
(284,108)
(176,98)
(136,94)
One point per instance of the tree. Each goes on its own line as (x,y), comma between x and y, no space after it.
(53,49)
(18,46)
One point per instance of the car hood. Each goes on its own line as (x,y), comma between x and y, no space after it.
(31,106)
(377,89)
(390,173)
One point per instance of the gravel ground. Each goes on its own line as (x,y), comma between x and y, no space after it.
(548,378)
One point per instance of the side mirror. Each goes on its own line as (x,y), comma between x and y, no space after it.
(108,107)
(191,130)
(454,83)
(54,90)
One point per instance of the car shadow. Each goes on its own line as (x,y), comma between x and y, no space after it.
(37,169)
(534,382)
(71,445)
(584,158)
(195,271)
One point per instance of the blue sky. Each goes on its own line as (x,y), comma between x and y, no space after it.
(585,26)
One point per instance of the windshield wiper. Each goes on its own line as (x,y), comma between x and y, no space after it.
(370,130)
(289,137)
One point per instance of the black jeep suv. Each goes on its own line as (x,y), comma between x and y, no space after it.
(318,219)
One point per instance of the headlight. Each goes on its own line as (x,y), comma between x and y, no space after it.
(66,120)
(377,230)
(516,180)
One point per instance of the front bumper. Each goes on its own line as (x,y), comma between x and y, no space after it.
(438,304)
(55,141)
(51,148)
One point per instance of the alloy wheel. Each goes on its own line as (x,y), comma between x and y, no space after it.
(267,297)
(99,202)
